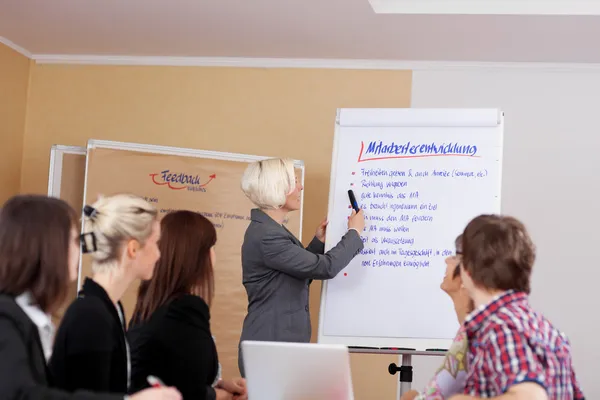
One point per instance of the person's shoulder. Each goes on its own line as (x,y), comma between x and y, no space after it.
(253,235)
(251,231)
(501,324)
(189,303)
(187,308)
(9,307)
(459,343)
(557,340)
(182,318)
(264,235)
(257,229)
(529,323)
(12,316)
(87,312)
(85,305)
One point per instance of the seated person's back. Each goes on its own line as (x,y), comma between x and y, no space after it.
(512,348)
(529,348)
(175,344)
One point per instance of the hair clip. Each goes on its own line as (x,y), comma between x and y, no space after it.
(90,212)
(85,247)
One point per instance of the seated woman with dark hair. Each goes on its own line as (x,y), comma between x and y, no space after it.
(169,333)
(450,378)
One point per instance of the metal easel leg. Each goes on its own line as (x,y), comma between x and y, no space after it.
(406,374)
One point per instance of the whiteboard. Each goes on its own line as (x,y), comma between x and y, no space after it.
(419,175)
(65,181)
(55,175)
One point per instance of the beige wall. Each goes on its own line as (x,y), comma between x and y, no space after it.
(272,112)
(14,80)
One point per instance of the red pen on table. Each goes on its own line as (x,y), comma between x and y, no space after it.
(154,381)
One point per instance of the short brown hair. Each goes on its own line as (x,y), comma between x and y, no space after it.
(498,253)
(35,232)
(184,266)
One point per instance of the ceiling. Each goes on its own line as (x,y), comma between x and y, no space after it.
(324,29)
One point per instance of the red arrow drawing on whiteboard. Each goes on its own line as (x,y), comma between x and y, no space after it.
(213,176)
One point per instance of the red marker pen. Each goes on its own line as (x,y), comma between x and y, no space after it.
(154,381)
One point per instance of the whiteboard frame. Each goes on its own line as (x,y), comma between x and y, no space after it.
(177,151)
(56,162)
(389,118)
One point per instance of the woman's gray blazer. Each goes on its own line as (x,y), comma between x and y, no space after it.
(277,271)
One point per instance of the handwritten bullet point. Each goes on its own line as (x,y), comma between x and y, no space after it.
(352,184)
(354,173)
(345,274)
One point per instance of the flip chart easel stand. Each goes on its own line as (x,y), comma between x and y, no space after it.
(405,374)
(405,369)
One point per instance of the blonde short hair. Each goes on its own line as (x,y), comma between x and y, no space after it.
(267,183)
(114,220)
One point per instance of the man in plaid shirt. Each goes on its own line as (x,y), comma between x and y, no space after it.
(514,352)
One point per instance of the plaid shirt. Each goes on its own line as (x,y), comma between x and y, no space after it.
(509,343)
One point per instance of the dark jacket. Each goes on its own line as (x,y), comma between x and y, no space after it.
(277,271)
(23,372)
(90,350)
(175,345)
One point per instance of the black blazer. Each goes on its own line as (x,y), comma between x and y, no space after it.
(23,373)
(90,350)
(175,345)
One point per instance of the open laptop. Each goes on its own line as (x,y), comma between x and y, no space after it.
(297,371)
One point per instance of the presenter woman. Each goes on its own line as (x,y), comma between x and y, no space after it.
(277,269)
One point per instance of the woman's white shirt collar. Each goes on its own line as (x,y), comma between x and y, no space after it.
(40,319)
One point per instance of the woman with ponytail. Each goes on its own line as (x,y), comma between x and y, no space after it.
(91,351)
